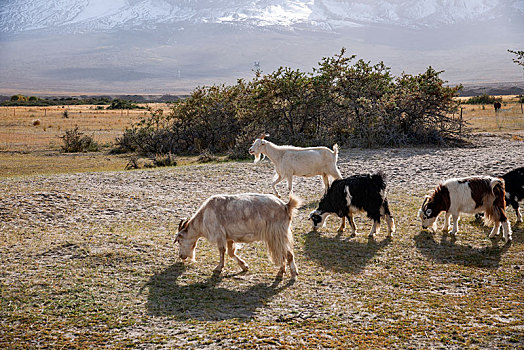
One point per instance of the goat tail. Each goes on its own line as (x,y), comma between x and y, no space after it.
(335,149)
(278,237)
(497,211)
(292,205)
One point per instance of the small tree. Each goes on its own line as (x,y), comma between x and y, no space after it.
(520,57)
(18,98)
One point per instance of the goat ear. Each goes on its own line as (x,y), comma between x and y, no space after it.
(263,135)
(182,224)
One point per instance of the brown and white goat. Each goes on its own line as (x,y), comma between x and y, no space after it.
(297,161)
(242,218)
(467,195)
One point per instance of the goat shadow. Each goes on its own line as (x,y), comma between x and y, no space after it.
(205,301)
(341,255)
(447,251)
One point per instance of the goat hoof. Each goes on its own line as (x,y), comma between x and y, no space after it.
(493,234)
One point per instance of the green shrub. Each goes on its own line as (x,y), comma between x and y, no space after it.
(353,104)
(207,157)
(167,159)
(123,104)
(482,99)
(75,141)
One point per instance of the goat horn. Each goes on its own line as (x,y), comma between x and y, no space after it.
(263,135)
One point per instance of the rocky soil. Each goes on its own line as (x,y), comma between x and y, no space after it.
(101,240)
(161,196)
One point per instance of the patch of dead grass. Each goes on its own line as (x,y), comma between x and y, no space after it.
(121,285)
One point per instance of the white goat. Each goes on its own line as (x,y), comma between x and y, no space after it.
(298,161)
(242,218)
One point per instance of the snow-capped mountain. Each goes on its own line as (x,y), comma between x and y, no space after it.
(95,15)
(171,46)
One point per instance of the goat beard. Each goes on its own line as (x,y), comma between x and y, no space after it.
(257,157)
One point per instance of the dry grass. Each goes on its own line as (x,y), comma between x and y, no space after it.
(88,260)
(482,118)
(49,162)
(27,149)
(17,132)
(96,284)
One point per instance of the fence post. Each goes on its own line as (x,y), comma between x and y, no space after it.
(460,125)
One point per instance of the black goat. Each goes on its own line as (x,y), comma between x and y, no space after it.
(357,193)
(515,189)
(514,183)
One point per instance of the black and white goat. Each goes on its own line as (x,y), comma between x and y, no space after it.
(467,195)
(349,196)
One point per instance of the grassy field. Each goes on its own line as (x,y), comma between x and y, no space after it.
(27,149)
(93,284)
(88,259)
(484,118)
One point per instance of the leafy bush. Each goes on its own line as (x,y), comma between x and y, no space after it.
(207,157)
(164,160)
(21,100)
(123,104)
(355,104)
(482,99)
(75,141)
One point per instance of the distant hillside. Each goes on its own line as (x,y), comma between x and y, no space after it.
(158,47)
(493,89)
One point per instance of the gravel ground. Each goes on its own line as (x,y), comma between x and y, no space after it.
(71,236)
(161,196)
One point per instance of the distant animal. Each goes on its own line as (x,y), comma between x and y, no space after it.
(349,196)
(297,161)
(242,218)
(496,105)
(514,184)
(467,195)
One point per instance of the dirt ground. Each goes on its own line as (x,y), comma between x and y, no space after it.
(89,261)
